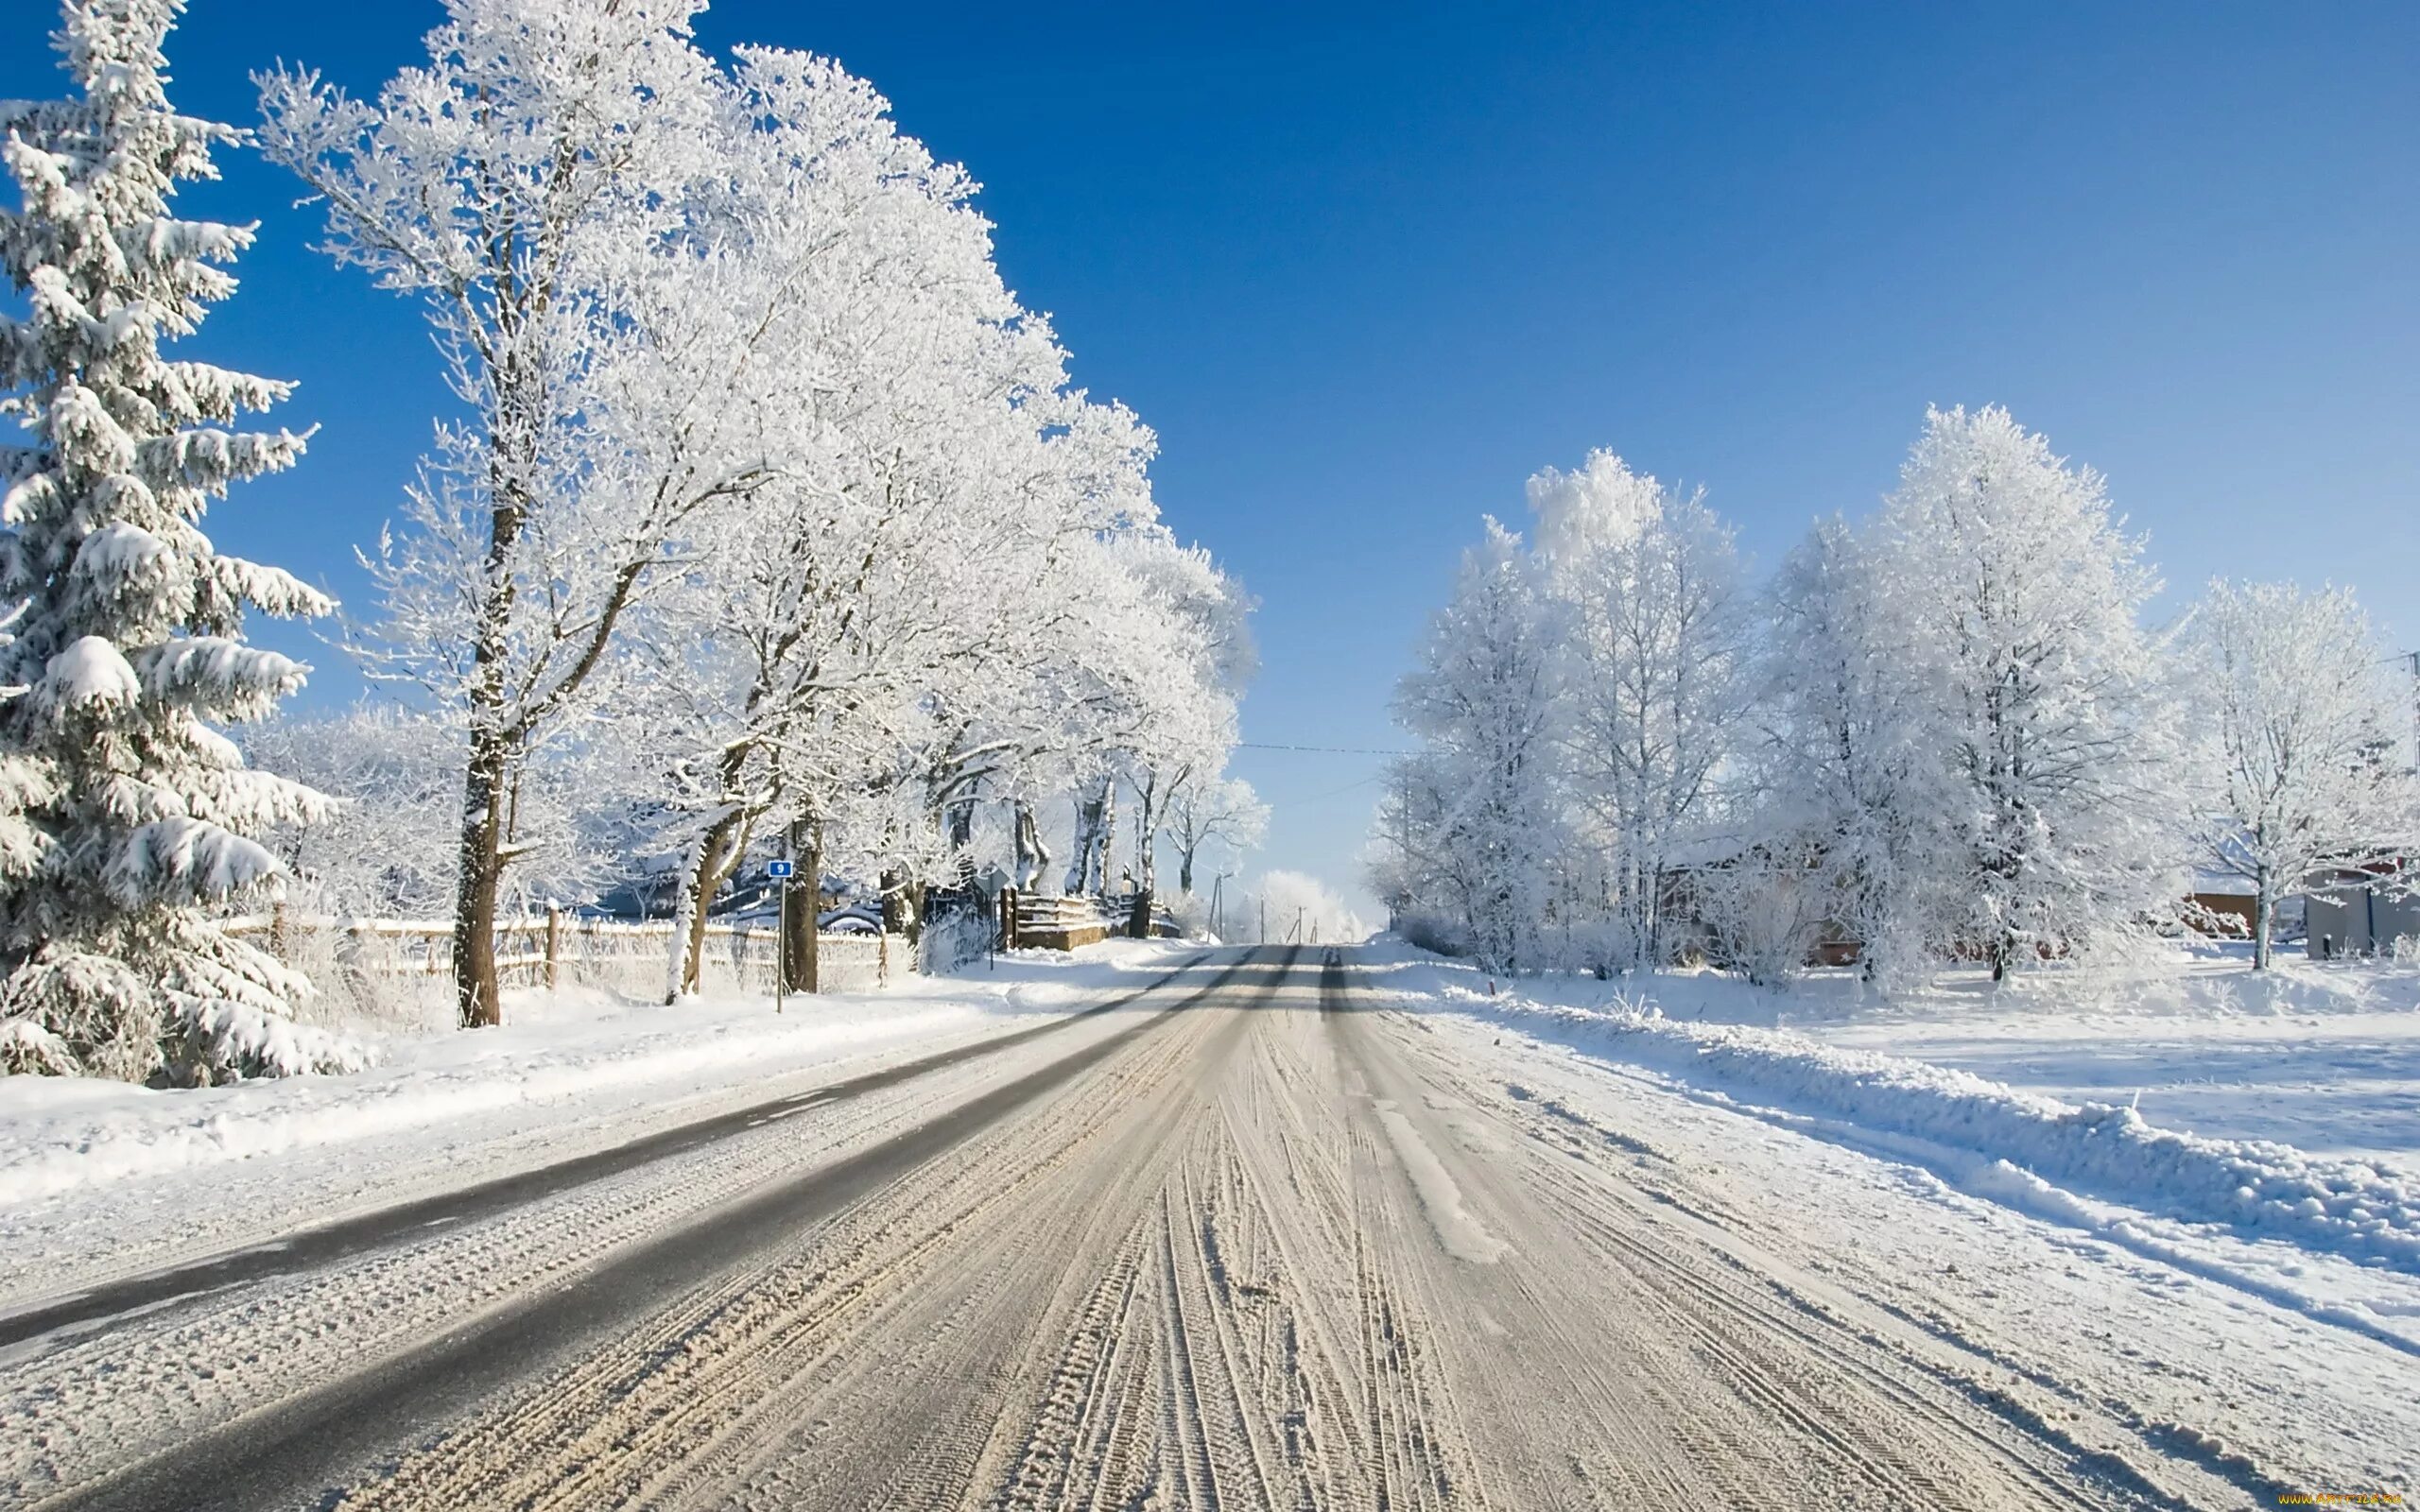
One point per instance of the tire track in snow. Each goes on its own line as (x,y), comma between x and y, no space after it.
(1234,1263)
(284,1451)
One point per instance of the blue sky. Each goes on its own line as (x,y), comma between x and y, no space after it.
(1365,270)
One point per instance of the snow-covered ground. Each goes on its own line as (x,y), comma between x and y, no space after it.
(1536,1254)
(100,1177)
(2086,1250)
(2322,1056)
(2026,1099)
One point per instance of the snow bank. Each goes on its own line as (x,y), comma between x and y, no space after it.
(579,1053)
(2353,1208)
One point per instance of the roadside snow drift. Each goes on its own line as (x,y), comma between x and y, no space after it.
(574,1055)
(2353,1208)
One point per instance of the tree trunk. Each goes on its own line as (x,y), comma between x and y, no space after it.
(2264,915)
(1086,849)
(1184,872)
(511,453)
(901,906)
(718,853)
(958,822)
(1033,858)
(799,946)
(1147,870)
(719,850)
(477,1001)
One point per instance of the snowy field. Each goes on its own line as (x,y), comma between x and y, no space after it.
(100,1179)
(2086,1249)
(2324,1056)
(2249,1160)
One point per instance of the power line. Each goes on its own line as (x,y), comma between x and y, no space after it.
(1332,750)
(1334,791)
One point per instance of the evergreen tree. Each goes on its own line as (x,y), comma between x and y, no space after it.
(135,815)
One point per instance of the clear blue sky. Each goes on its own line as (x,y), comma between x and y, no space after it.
(1366,270)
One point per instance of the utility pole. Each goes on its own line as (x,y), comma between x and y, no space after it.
(1263,938)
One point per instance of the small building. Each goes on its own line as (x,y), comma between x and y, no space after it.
(2361,913)
(2223,904)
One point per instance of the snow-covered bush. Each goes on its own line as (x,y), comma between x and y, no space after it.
(28,1049)
(1190,911)
(955,936)
(1434,931)
(1765,912)
(226,1041)
(140,821)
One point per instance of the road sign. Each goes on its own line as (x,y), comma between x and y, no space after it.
(780,869)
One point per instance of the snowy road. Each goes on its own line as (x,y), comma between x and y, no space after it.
(1246,1240)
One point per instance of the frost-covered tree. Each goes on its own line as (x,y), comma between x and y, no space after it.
(1482,700)
(1188,618)
(2014,600)
(1653,626)
(1214,811)
(396,775)
(1841,777)
(824,608)
(138,818)
(535,186)
(2301,732)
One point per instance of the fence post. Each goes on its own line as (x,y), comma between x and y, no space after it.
(882,958)
(554,941)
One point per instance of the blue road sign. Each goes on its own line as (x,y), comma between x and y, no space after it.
(780,869)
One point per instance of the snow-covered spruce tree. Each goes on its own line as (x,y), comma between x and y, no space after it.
(138,816)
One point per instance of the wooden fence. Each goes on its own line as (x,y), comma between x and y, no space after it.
(1064,922)
(560,948)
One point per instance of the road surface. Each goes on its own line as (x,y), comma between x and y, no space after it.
(1246,1240)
